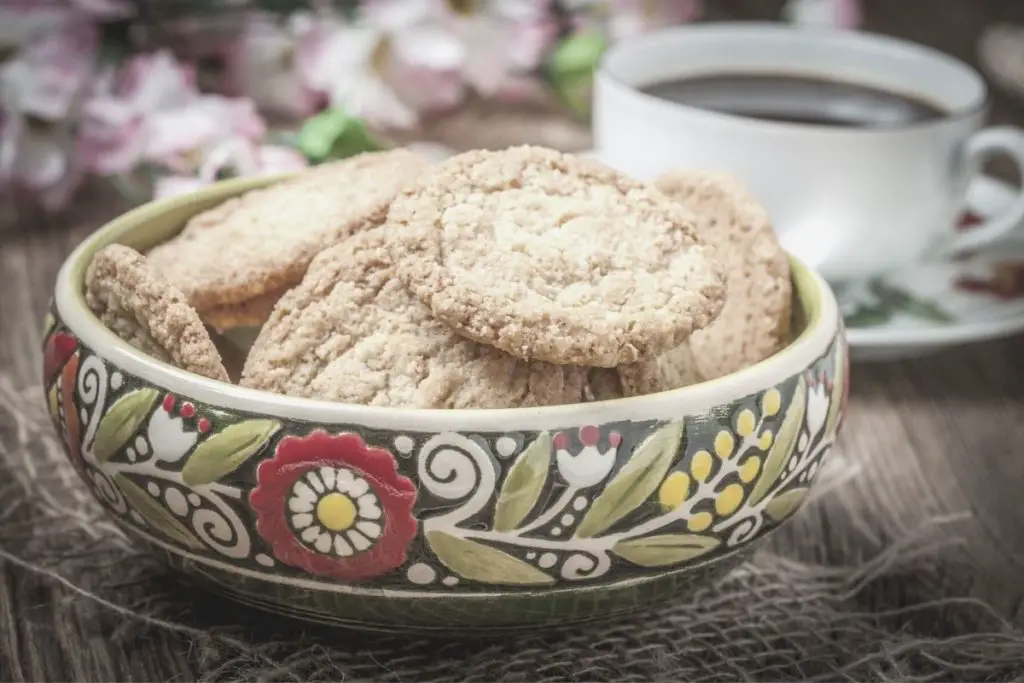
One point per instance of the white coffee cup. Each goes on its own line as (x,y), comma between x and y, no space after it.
(851,202)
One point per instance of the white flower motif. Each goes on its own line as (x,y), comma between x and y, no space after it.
(334,511)
(591,465)
(817,406)
(168,437)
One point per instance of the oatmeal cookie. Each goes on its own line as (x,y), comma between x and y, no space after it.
(754,323)
(260,244)
(552,257)
(351,332)
(139,305)
(673,369)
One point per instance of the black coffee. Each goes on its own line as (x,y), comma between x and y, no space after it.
(797,99)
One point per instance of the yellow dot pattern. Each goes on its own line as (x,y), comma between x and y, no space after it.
(724,444)
(771,402)
(749,469)
(766,439)
(699,522)
(674,490)
(729,499)
(746,423)
(700,466)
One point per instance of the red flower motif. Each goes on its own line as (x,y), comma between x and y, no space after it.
(334,507)
(72,425)
(969,220)
(1006,282)
(59,348)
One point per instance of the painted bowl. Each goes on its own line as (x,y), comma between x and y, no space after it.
(389,518)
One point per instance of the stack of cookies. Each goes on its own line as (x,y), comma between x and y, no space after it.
(493,279)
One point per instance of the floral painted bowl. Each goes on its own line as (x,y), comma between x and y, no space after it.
(388,518)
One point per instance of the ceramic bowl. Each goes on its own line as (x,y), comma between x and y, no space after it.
(390,518)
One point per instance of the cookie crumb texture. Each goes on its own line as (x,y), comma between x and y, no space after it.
(754,323)
(262,242)
(351,332)
(141,307)
(552,257)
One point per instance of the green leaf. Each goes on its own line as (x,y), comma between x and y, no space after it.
(122,421)
(867,317)
(839,380)
(51,400)
(635,482)
(665,549)
(155,514)
(49,322)
(478,562)
(577,54)
(570,69)
(785,442)
(782,506)
(524,484)
(921,308)
(225,451)
(333,134)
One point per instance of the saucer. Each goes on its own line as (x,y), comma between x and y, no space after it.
(932,306)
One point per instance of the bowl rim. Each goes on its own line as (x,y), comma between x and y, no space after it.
(821,327)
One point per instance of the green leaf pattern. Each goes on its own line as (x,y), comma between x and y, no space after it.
(155,514)
(122,421)
(785,504)
(784,444)
(226,451)
(524,484)
(479,562)
(665,549)
(635,482)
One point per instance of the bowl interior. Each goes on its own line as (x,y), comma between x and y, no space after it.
(814,324)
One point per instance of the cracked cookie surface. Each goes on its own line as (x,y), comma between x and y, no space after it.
(754,323)
(141,307)
(351,332)
(553,257)
(260,244)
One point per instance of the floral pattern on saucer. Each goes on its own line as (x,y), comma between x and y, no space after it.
(930,306)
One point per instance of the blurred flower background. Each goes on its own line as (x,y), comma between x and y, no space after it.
(163,97)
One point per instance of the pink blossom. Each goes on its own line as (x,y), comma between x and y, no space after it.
(633,17)
(261,65)
(176,185)
(351,64)
(233,157)
(104,9)
(41,88)
(37,159)
(22,23)
(432,43)
(47,75)
(154,113)
(174,134)
(500,38)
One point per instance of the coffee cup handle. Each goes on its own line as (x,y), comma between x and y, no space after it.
(990,142)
